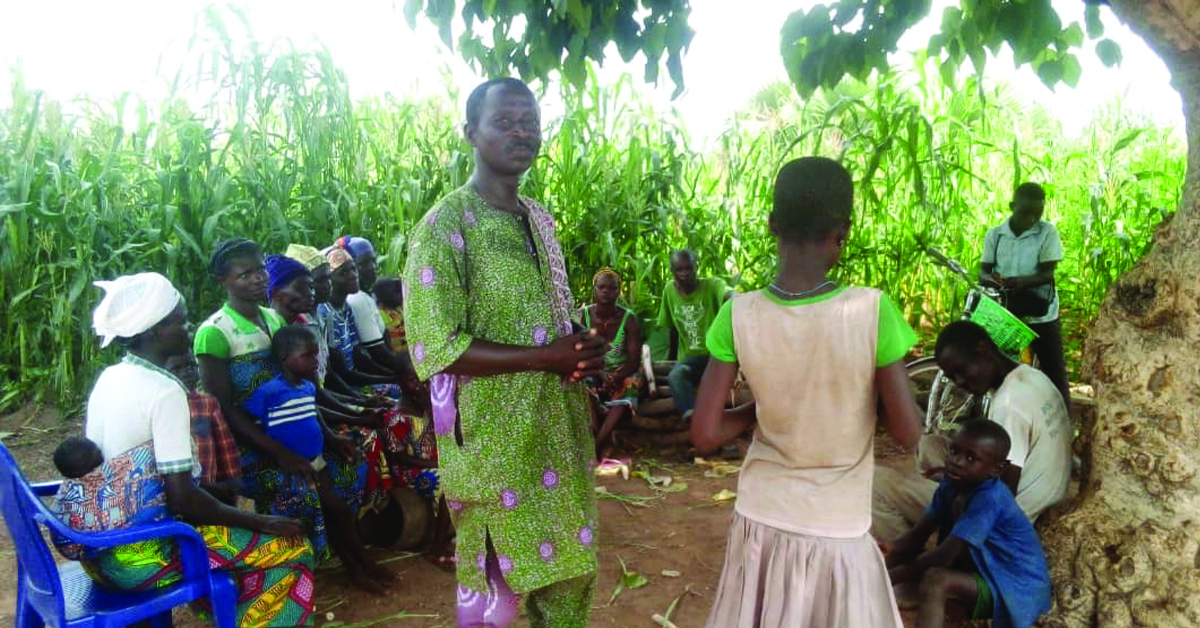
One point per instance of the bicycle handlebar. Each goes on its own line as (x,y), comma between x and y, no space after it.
(961,271)
(952,264)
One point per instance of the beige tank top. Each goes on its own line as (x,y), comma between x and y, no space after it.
(812,370)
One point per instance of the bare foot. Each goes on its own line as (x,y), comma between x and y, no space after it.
(365,583)
(442,558)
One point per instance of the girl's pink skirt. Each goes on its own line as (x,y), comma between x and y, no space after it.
(778,579)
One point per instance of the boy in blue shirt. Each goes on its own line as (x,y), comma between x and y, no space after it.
(988,556)
(287,408)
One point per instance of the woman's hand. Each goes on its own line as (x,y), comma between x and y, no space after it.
(377,401)
(372,418)
(280,526)
(292,463)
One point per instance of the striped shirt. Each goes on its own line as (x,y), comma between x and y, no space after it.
(289,415)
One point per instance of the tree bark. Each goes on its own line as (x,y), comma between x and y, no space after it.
(1126,552)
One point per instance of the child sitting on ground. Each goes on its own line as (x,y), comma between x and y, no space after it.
(988,556)
(77,457)
(287,408)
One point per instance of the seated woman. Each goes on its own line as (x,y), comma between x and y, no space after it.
(299,307)
(138,414)
(233,347)
(342,334)
(616,397)
(372,333)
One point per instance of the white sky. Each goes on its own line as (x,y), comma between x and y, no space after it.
(102,48)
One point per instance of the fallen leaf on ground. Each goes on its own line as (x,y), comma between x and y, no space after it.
(629,580)
(660,480)
(724,496)
(716,468)
(663,622)
(642,501)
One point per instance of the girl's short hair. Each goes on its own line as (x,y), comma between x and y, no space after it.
(814,197)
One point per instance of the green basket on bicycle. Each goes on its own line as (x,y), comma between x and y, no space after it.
(1007,331)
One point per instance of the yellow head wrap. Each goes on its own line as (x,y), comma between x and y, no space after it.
(307,255)
(606,271)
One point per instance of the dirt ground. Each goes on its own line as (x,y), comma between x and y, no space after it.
(675,538)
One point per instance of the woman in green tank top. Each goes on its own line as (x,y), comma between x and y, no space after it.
(617,396)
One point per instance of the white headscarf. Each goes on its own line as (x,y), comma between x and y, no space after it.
(133,304)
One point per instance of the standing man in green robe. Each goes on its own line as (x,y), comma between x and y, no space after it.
(487,309)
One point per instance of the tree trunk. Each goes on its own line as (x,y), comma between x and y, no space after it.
(1127,551)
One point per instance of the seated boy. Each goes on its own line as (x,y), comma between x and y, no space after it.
(988,556)
(287,408)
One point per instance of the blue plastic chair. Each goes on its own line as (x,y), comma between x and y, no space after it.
(67,597)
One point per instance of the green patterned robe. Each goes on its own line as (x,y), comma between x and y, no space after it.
(523,474)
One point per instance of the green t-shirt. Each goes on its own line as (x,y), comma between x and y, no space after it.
(692,315)
(894,340)
(227,335)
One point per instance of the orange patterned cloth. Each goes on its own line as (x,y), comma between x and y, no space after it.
(393,320)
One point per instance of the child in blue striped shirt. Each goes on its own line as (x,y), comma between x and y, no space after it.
(287,408)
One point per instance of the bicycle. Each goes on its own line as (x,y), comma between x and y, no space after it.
(946,404)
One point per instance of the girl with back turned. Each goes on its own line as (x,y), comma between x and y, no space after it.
(819,356)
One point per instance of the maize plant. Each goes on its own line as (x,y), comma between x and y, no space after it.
(282,153)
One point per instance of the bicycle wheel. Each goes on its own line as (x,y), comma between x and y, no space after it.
(944,403)
(922,373)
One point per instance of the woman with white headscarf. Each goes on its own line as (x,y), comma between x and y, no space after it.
(138,415)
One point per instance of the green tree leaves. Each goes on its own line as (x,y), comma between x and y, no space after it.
(820,47)
(1109,52)
(1091,18)
(537,37)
